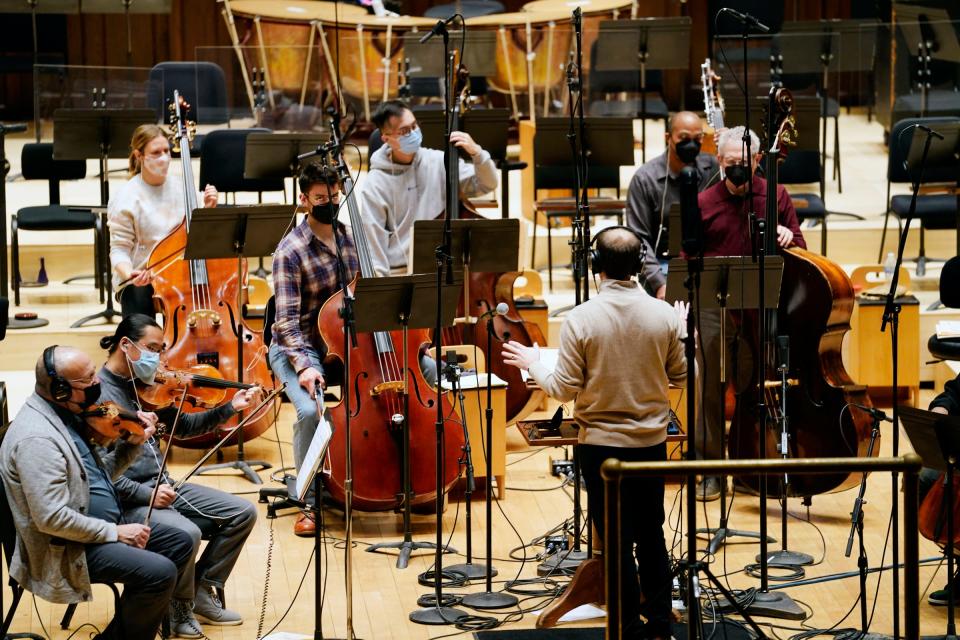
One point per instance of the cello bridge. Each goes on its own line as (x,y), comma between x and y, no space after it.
(206,315)
(396,385)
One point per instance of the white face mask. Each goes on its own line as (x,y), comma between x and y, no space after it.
(157,165)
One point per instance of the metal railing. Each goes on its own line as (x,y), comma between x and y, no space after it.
(613,471)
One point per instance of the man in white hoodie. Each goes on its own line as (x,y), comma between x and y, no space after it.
(408,183)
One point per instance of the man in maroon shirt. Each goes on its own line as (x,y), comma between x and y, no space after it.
(726,232)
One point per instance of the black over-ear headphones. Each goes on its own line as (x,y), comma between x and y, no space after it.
(597,259)
(60,389)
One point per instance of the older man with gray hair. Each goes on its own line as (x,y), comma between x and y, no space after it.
(725,211)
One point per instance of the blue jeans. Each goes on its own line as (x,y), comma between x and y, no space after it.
(307,418)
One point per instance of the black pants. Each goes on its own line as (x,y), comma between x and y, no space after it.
(137,300)
(641,533)
(148,577)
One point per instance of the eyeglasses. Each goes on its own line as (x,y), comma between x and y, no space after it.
(402,131)
(322,199)
(84,382)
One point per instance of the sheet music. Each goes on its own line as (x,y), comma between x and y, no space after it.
(548,357)
(315,456)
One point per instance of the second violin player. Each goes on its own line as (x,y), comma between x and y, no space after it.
(221,518)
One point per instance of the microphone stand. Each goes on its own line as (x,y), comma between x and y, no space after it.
(438,614)
(489,599)
(582,199)
(891,316)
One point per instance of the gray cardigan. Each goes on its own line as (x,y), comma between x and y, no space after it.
(49,495)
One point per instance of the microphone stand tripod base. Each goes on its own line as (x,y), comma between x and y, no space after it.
(561,563)
(472,570)
(489,600)
(787,558)
(33,323)
(719,536)
(405,547)
(769,604)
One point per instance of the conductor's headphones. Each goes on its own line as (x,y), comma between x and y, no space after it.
(60,389)
(598,256)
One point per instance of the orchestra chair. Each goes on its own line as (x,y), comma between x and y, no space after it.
(202,85)
(802,168)
(222,160)
(937,204)
(8,540)
(947,348)
(38,164)
(803,81)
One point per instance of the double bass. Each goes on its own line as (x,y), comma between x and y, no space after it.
(816,301)
(200,301)
(378,384)
(486,291)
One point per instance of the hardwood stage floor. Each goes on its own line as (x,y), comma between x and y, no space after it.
(534,504)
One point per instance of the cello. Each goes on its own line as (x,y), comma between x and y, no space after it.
(200,301)
(816,301)
(486,291)
(380,384)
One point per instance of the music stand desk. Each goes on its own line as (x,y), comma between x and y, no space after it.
(274,155)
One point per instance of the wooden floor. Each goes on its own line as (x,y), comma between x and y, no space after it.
(534,504)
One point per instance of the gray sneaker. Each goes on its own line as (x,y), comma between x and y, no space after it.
(708,489)
(182,622)
(209,609)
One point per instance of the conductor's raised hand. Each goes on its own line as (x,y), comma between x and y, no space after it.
(519,355)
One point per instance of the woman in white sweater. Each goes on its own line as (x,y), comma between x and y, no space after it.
(142,213)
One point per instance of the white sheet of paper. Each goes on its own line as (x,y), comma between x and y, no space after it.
(284,635)
(581,613)
(948,329)
(548,357)
(314,457)
(470,380)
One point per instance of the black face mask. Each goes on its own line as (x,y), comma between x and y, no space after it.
(687,150)
(324,213)
(91,395)
(737,174)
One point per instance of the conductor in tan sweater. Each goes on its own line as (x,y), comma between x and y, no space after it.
(618,353)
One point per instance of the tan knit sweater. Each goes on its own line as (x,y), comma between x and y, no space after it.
(618,353)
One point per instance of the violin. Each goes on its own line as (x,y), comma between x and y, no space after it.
(112,422)
(206,387)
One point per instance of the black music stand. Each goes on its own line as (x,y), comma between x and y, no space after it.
(931,31)
(942,155)
(642,45)
(425,60)
(400,303)
(274,156)
(477,245)
(79,134)
(233,232)
(936,439)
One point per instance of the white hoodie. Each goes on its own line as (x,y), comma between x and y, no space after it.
(395,195)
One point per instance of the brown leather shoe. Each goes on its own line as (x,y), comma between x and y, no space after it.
(304,527)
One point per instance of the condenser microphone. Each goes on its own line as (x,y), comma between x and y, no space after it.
(499,310)
(691,225)
(876,414)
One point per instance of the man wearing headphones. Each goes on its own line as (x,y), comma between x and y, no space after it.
(70,530)
(618,354)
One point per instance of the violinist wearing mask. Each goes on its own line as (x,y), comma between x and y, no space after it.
(407,182)
(726,232)
(71,530)
(305,274)
(142,213)
(223,519)
(655,187)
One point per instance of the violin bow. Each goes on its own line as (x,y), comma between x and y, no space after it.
(172,254)
(250,416)
(166,454)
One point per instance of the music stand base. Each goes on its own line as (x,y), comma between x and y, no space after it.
(489,600)
(769,605)
(437,616)
(788,558)
(561,563)
(472,570)
(17,636)
(406,547)
(107,314)
(719,535)
(243,466)
(14,324)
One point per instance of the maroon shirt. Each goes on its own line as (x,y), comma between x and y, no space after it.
(726,228)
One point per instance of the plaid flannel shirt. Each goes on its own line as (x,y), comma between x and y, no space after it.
(304,276)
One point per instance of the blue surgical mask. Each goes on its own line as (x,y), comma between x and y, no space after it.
(145,367)
(410,143)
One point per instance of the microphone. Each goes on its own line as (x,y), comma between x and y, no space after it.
(577,19)
(438,28)
(691,226)
(929,130)
(747,19)
(452,357)
(876,414)
(499,310)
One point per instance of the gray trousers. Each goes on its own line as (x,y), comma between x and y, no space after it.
(223,519)
(708,439)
